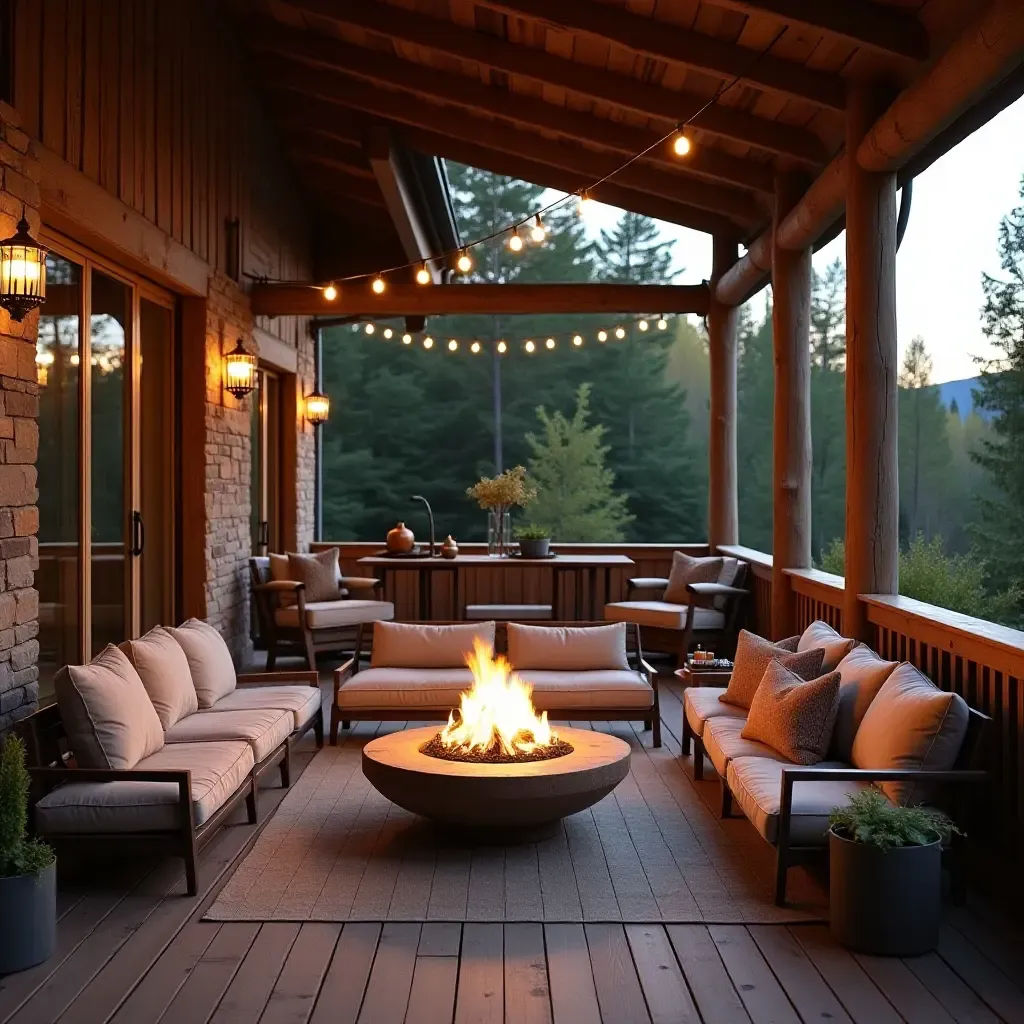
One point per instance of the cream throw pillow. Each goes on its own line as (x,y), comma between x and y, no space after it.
(109,719)
(753,653)
(821,634)
(319,572)
(861,675)
(209,660)
(686,570)
(911,724)
(567,648)
(792,715)
(414,645)
(163,669)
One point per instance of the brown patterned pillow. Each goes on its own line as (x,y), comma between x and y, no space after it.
(794,716)
(319,572)
(753,654)
(687,570)
(835,645)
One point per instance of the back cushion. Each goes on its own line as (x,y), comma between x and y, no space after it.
(279,572)
(686,570)
(753,653)
(861,675)
(821,634)
(412,645)
(567,648)
(209,660)
(163,669)
(319,572)
(109,719)
(910,724)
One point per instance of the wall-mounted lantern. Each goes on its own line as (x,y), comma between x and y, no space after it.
(318,407)
(239,371)
(22,272)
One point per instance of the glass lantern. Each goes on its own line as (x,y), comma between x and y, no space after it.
(22,272)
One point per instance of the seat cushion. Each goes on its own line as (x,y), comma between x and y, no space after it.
(302,701)
(756,784)
(163,669)
(434,689)
(417,645)
(107,714)
(686,570)
(701,703)
(861,675)
(607,688)
(264,729)
(753,654)
(567,648)
(218,769)
(911,724)
(664,614)
(209,660)
(723,741)
(327,614)
(835,645)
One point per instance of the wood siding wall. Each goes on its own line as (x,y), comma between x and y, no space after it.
(151,99)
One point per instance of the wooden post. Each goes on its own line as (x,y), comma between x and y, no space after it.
(723,513)
(791,327)
(872,488)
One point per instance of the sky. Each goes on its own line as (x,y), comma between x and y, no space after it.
(951,239)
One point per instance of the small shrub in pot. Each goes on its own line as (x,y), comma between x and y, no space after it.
(885,875)
(534,540)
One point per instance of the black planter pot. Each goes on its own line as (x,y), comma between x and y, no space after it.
(886,902)
(28,909)
(535,548)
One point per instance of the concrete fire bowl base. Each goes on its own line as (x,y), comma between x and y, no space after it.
(505,796)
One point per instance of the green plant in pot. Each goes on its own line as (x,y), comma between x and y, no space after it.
(885,875)
(28,875)
(534,540)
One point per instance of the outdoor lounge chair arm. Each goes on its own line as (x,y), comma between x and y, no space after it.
(272,586)
(715,590)
(344,672)
(645,583)
(279,678)
(110,774)
(361,583)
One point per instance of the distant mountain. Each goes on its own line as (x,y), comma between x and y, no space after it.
(961,392)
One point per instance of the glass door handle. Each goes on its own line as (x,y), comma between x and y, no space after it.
(263,539)
(138,533)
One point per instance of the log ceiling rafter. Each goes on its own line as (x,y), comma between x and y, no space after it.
(586,165)
(356,299)
(665,41)
(628,93)
(471,94)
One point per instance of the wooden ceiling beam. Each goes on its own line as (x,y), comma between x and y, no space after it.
(357,299)
(585,165)
(471,94)
(662,40)
(593,83)
(337,175)
(888,30)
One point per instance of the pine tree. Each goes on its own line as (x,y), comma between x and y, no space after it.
(754,426)
(828,317)
(576,498)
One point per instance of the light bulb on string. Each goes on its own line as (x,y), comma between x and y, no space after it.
(428,342)
(406,339)
(515,241)
(464,263)
(330,293)
(452,344)
(577,340)
(620,332)
(388,333)
(423,274)
(642,325)
(602,335)
(475,347)
(585,205)
(538,232)
(378,285)
(681,144)
(549,344)
(662,323)
(502,348)
(529,346)
(370,328)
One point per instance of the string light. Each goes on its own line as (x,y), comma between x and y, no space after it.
(602,335)
(502,348)
(428,342)
(549,344)
(378,285)
(388,333)
(475,347)
(577,340)
(642,325)
(538,232)
(406,339)
(662,323)
(515,241)
(452,344)
(465,264)
(620,332)
(681,145)
(330,293)
(585,205)
(529,346)
(370,328)
(423,274)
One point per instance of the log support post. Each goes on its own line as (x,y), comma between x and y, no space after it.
(872,489)
(791,324)
(723,511)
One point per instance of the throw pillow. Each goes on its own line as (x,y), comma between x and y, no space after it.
(821,634)
(753,653)
(109,718)
(279,573)
(209,660)
(687,570)
(319,572)
(792,715)
(861,675)
(911,724)
(567,648)
(163,669)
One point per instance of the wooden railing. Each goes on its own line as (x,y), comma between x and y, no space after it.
(819,595)
(759,609)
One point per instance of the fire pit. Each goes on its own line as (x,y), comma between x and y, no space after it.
(496,763)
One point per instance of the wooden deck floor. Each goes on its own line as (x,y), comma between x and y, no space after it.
(132,949)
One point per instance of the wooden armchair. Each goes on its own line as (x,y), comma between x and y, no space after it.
(289,624)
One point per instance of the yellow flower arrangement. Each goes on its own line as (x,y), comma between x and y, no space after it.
(501,492)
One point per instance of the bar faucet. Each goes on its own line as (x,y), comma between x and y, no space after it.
(430,516)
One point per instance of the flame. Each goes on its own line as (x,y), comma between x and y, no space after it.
(497,711)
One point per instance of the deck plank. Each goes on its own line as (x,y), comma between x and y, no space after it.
(570,978)
(252,984)
(900,986)
(341,994)
(713,991)
(987,980)
(302,975)
(481,994)
(618,987)
(764,998)
(432,1000)
(387,992)
(664,987)
(440,938)
(527,996)
(958,999)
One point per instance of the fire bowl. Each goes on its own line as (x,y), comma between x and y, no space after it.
(524,793)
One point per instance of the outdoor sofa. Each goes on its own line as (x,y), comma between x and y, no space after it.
(893,728)
(417,671)
(157,741)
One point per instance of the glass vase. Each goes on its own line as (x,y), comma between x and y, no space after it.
(499,533)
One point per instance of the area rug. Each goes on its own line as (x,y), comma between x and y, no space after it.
(651,851)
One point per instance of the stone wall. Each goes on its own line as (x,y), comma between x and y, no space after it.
(19,445)
(305,449)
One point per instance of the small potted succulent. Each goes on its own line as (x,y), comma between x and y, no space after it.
(534,540)
(885,875)
(28,874)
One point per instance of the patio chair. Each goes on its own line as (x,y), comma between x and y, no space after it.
(298,626)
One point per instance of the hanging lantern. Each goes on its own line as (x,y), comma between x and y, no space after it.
(22,272)
(318,407)
(239,371)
